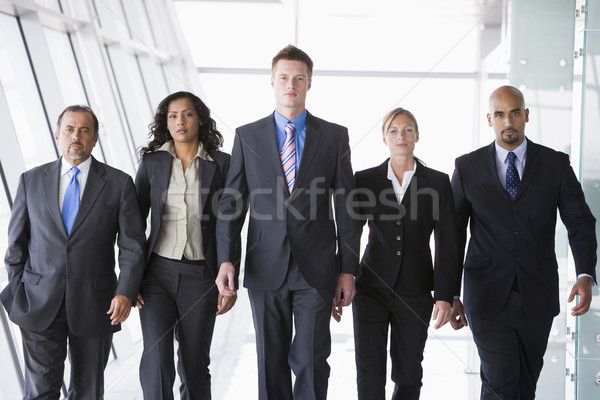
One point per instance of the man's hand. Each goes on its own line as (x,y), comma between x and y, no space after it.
(441,313)
(225,279)
(120,306)
(457,315)
(583,288)
(225,303)
(140,301)
(344,294)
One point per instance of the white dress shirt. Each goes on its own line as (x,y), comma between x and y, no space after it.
(66,175)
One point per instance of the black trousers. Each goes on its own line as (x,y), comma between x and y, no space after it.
(180,300)
(44,356)
(511,348)
(374,311)
(274,312)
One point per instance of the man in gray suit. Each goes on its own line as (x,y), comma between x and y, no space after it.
(60,260)
(287,169)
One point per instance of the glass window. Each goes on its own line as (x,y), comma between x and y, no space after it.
(133,93)
(34,134)
(65,67)
(154,80)
(10,372)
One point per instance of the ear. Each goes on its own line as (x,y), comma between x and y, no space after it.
(489,118)
(56,136)
(417,137)
(527,115)
(309,84)
(385,139)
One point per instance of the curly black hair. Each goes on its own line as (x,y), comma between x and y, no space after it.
(210,137)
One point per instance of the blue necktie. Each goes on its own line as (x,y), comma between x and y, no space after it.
(288,156)
(71,201)
(512,176)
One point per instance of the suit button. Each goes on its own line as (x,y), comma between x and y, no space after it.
(398,252)
(62,277)
(514,208)
(518,259)
(516,233)
(290,229)
(398,222)
(203,228)
(398,238)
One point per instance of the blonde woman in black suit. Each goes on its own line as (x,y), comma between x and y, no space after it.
(179,179)
(403,202)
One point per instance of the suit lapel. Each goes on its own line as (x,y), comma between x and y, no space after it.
(311,143)
(531,165)
(162,174)
(265,146)
(206,172)
(384,185)
(51,185)
(418,181)
(93,187)
(491,170)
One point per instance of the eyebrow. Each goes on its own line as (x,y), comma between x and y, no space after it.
(511,111)
(174,111)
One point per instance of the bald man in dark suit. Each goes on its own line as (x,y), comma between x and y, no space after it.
(510,192)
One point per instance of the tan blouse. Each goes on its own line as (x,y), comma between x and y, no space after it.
(180,232)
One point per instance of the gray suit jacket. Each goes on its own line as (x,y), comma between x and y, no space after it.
(301,223)
(46,266)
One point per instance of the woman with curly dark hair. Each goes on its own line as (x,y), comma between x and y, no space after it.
(180,175)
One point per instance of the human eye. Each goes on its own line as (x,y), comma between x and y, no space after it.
(499,115)
(171,116)
(189,114)
(516,113)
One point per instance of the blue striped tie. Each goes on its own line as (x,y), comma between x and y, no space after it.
(71,201)
(288,156)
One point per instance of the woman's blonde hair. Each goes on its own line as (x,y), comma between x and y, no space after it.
(387,121)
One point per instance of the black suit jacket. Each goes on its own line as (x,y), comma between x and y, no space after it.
(516,238)
(152,183)
(398,253)
(45,265)
(301,223)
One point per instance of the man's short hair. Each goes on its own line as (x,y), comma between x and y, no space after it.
(78,108)
(291,52)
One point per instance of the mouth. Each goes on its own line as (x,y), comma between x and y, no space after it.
(181,131)
(509,131)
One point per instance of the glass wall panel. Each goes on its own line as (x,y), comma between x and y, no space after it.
(65,67)
(34,134)
(587,331)
(133,93)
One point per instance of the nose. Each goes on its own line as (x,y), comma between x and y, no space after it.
(180,121)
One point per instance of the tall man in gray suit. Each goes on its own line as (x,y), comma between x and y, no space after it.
(287,169)
(510,191)
(61,262)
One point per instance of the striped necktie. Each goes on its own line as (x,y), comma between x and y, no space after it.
(288,156)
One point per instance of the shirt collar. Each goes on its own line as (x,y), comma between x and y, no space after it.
(170,148)
(84,167)
(299,122)
(407,175)
(502,153)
